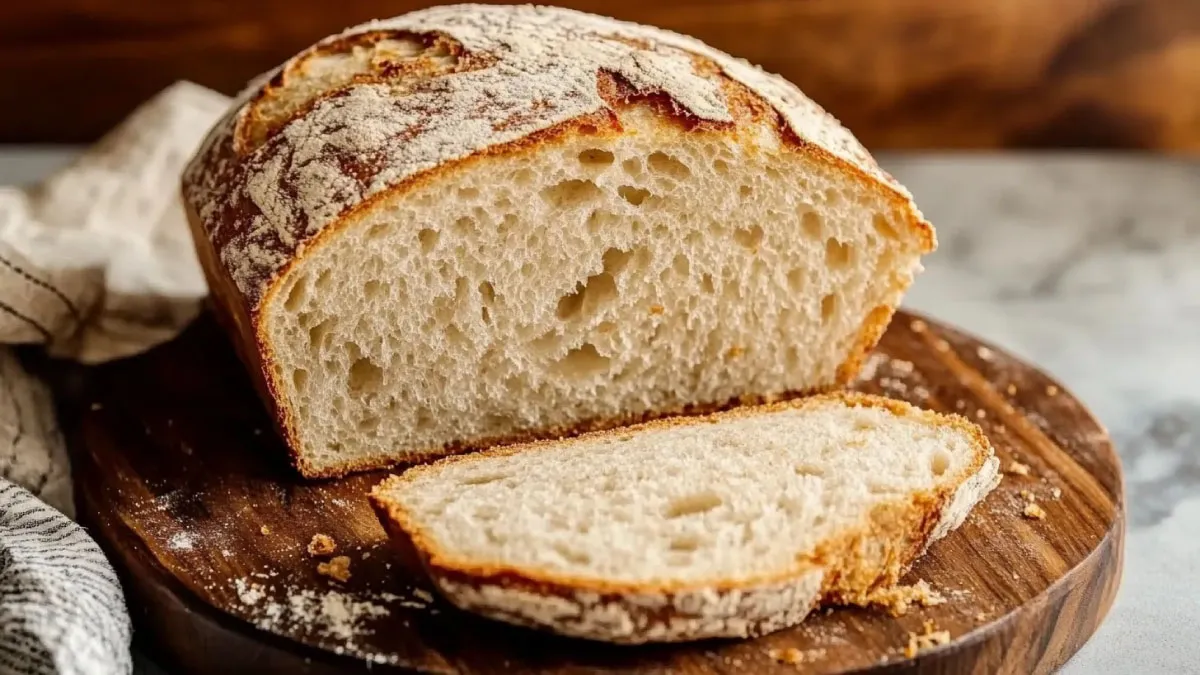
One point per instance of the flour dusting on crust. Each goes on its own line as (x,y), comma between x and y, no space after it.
(364,111)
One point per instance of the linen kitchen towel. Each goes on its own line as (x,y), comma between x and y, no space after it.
(96,263)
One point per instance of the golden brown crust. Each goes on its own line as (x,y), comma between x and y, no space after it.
(233,314)
(873,327)
(235,152)
(903,526)
(255,127)
(244,143)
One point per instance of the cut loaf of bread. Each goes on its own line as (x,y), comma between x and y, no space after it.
(731,525)
(474,224)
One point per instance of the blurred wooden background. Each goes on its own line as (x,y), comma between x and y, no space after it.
(900,73)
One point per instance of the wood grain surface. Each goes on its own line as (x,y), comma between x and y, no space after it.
(181,481)
(899,73)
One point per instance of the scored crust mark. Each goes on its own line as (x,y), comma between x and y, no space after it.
(483,77)
(398,58)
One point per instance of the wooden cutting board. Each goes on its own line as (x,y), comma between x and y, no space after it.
(181,480)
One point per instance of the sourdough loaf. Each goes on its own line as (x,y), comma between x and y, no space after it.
(728,526)
(473,224)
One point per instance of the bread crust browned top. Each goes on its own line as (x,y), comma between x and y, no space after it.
(298,152)
(374,111)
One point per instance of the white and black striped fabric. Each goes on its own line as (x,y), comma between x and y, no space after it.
(61,607)
(96,263)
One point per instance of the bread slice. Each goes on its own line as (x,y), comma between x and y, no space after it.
(480,224)
(731,525)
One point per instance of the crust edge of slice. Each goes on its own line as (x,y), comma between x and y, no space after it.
(635,614)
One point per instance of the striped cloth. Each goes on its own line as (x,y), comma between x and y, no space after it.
(96,263)
(60,603)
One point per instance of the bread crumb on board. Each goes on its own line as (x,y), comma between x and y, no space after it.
(1056,492)
(1018,468)
(1034,512)
(321,545)
(897,600)
(1051,390)
(337,568)
(264,530)
(918,326)
(794,657)
(984,353)
(927,639)
(1011,389)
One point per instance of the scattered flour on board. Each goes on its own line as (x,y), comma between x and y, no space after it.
(181,541)
(248,593)
(330,614)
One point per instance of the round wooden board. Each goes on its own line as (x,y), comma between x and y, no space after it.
(183,483)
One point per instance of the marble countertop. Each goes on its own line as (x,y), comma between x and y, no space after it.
(1087,265)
